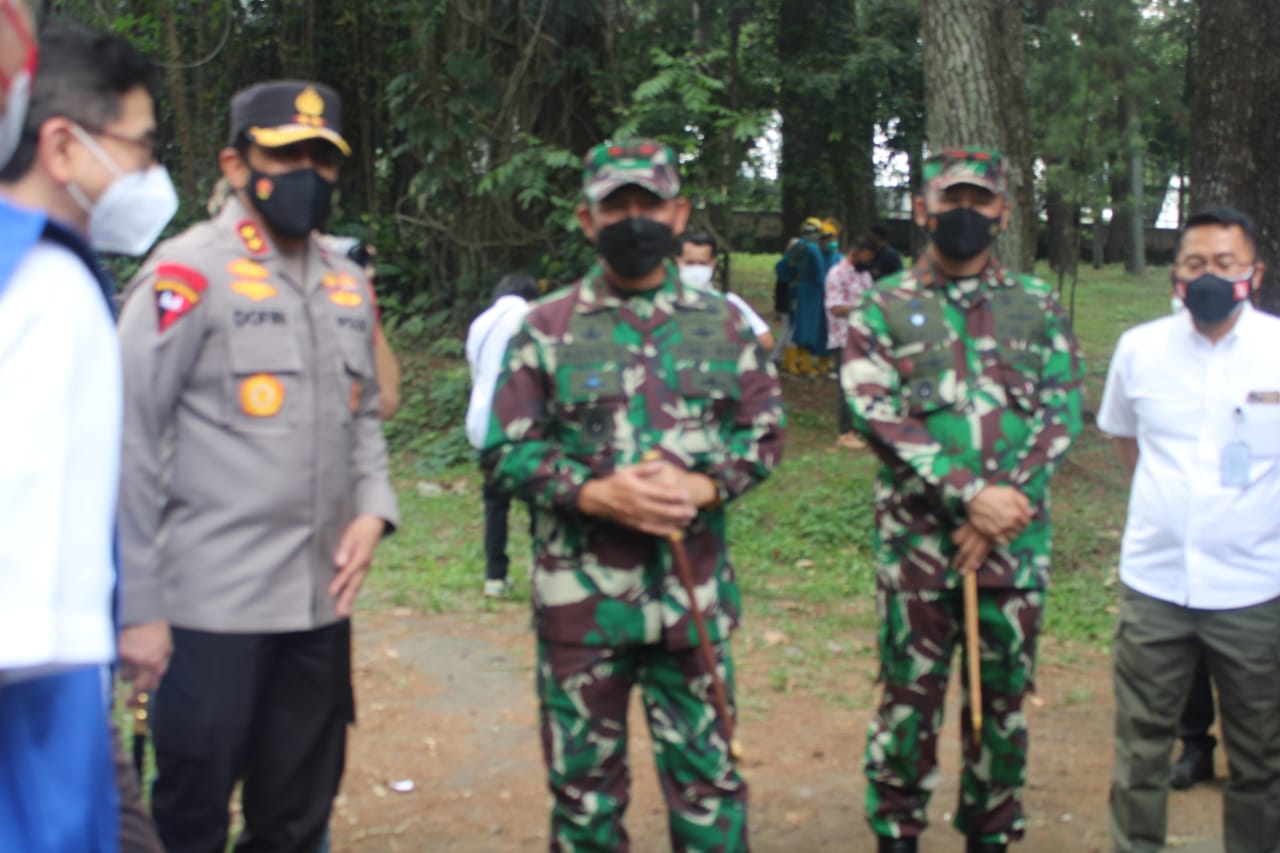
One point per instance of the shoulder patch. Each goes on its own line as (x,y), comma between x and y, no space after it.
(178,290)
(251,236)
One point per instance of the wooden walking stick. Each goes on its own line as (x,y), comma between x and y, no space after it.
(971,652)
(719,698)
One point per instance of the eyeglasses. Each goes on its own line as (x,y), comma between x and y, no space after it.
(1225,265)
(147,142)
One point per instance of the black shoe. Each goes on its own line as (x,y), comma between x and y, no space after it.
(897,845)
(1194,765)
(974,846)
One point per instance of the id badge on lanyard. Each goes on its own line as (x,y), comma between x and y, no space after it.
(1235,456)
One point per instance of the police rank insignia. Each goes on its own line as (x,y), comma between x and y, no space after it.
(177,290)
(251,236)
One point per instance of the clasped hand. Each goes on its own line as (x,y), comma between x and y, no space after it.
(654,497)
(997,515)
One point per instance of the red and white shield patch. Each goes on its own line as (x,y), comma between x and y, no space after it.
(177,290)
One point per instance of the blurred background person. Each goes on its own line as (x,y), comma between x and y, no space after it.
(77,144)
(486,345)
(846,282)
(697,262)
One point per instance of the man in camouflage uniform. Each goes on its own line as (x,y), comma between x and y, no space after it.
(632,408)
(965,381)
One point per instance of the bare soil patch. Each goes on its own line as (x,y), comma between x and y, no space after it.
(447,701)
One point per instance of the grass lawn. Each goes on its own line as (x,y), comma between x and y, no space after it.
(801,541)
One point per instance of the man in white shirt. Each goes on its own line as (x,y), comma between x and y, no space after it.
(697,265)
(486,344)
(1193,400)
(82,176)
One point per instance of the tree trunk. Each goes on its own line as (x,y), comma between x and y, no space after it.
(1057,228)
(975,94)
(1236,117)
(804,127)
(1136,258)
(181,113)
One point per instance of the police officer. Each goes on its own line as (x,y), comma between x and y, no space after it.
(624,366)
(255,486)
(965,381)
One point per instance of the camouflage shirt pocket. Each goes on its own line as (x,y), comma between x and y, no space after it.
(708,400)
(1019,373)
(589,405)
(928,378)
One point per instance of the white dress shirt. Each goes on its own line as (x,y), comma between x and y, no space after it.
(754,320)
(60,411)
(486,343)
(1190,540)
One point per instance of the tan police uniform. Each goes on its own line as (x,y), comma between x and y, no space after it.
(251,443)
(252,435)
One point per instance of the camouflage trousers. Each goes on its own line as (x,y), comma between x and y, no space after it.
(919,631)
(584,692)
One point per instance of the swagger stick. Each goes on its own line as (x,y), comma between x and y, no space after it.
(718,696)
(971,652)
(140,715)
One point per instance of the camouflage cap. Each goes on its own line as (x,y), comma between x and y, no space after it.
(643,162)
(982,167)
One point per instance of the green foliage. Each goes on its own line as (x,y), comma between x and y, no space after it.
(1086,58)
(429,424)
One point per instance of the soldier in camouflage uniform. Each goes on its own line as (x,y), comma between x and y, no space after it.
(632,408)
(965,380)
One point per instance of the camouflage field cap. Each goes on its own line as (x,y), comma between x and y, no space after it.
(982,167)
(643,162)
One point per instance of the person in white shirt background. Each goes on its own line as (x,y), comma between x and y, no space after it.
(82,177)
(486,344)
(1193,402)
(697,264)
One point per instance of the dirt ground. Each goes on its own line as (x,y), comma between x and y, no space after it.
(448,703)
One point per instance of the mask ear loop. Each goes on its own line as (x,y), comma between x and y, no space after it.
(98,151)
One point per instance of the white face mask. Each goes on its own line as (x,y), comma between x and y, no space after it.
(15,115)
(696,275)
(129,216)
(17,94)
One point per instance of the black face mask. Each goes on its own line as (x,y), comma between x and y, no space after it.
(293,204)
(634,246)
(962,233)
(1210,299)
